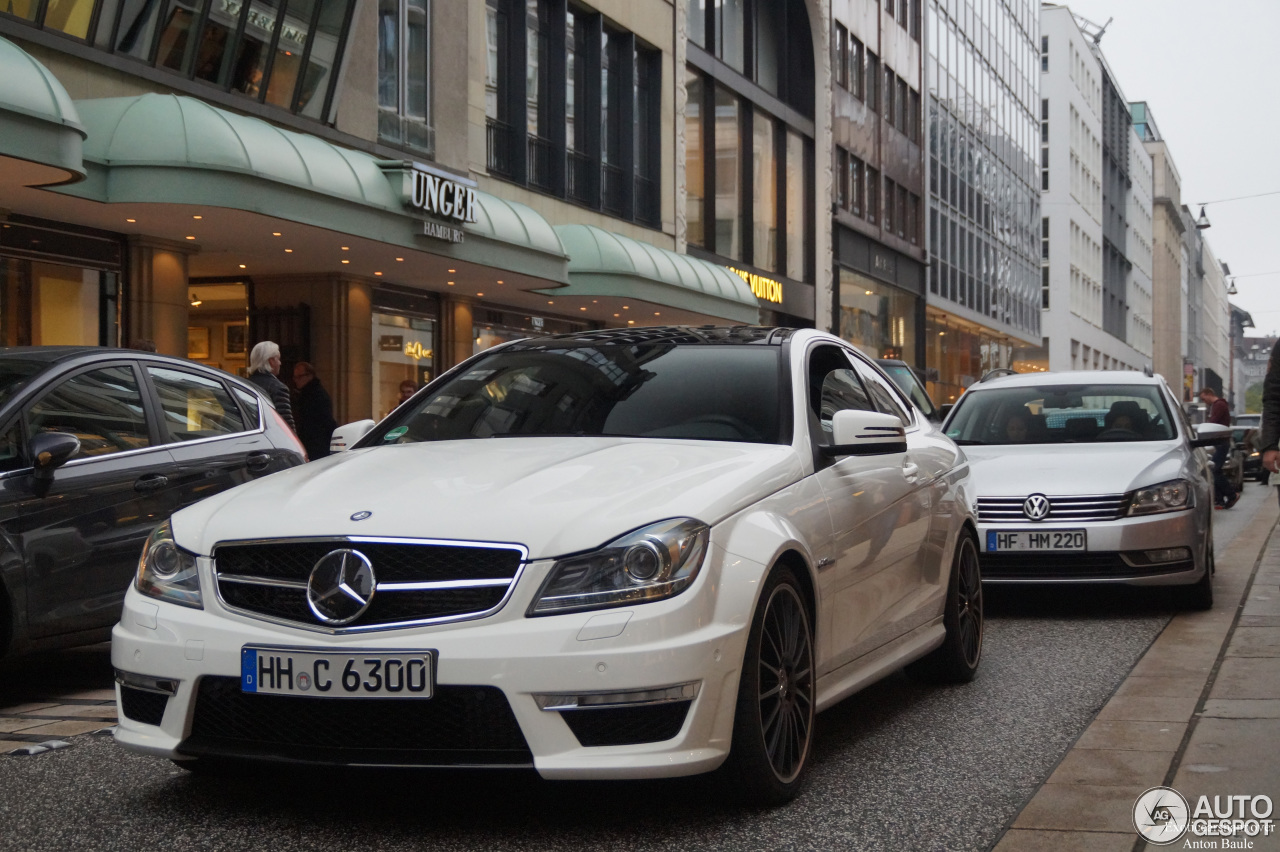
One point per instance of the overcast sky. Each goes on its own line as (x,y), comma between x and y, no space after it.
(1208,69)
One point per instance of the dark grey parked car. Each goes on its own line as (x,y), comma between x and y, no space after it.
(97,447)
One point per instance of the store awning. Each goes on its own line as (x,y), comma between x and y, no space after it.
(40,132)
(605,264)
(179,150)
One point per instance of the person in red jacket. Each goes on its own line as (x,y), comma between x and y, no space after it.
(1220,413)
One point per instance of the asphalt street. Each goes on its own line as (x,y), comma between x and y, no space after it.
(898,766)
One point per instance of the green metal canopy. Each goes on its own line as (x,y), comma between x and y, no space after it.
(38,121)
(180,150)
(602,263)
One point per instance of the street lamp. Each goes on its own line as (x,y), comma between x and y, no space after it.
(1231,287)
(1203,221)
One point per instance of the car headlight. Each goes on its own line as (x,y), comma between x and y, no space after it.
(1171,496)
(649,564)
(168,572)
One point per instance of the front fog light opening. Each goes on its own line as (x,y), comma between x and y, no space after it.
(1168,554)
(621,698)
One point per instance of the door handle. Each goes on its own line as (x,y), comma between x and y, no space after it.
(910,471)
(150,482)
(257,461)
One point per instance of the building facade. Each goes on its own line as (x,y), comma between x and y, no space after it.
(982,119)
(387,188)
(1095,225)
(1168,273)
(878,177)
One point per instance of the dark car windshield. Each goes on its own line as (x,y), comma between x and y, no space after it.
(1061,414)
(14,374)
(659,390)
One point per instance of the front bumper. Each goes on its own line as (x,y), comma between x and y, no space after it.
(694,638)
(1118,551)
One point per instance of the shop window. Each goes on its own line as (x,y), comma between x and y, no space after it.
(545,60)
(759,188)
(282,55)
(728,148)
(404,74)
(695,161)
(764,184)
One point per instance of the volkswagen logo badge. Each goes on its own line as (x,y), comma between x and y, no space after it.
(360,516)
(341,586)
(1036,507)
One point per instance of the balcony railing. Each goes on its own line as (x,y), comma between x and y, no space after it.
(646,195)
(611,189)
(498,138)
(540,162)
(579,177)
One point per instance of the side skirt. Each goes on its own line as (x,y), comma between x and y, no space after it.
(835,686)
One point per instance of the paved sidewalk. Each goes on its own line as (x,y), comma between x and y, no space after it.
(1200,713)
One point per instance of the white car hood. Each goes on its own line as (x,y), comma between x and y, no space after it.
(1063,470)
(553,495)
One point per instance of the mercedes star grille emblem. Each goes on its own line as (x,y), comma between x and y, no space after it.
(360,516)
(1036,507)
(341,586)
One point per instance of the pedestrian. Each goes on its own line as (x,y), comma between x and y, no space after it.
(1225,494)
(264,365)
(407,389)
(315,411)
(1268,436)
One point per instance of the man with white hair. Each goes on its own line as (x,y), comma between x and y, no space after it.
(264,364)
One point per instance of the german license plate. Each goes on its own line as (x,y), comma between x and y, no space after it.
(354,674)
(1024,540)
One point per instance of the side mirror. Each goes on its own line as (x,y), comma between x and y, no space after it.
(346,435)
(1208,434)
(944,410)
(49,451)
(865,433)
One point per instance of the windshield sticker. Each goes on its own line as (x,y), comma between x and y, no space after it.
(395,433)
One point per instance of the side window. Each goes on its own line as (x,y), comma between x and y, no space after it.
(194,406)
(834,386)
(250,403)
(886,400)
(11,455)
(103,408)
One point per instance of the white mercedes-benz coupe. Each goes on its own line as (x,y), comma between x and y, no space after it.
(615,554)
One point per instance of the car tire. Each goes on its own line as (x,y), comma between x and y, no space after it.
(774,718)
(956,660)
(1199,595)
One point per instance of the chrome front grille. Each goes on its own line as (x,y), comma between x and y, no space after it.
(417,581)
(1086,509)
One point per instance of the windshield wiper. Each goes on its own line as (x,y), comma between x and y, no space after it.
(964,442)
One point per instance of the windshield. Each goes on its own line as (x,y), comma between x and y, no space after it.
(660,390)
(14,374)
(907,382)
(1061,414)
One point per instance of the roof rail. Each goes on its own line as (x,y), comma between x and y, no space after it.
(997,372)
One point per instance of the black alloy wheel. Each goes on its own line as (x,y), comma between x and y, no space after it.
(773,727)
(956,659)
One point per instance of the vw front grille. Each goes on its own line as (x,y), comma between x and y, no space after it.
(417,582)
(1103,507)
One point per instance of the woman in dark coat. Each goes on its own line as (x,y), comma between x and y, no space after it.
(264,364)
(315,411)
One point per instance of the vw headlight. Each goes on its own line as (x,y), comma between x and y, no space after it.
(168,572)
(1172,496)
(652,563)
